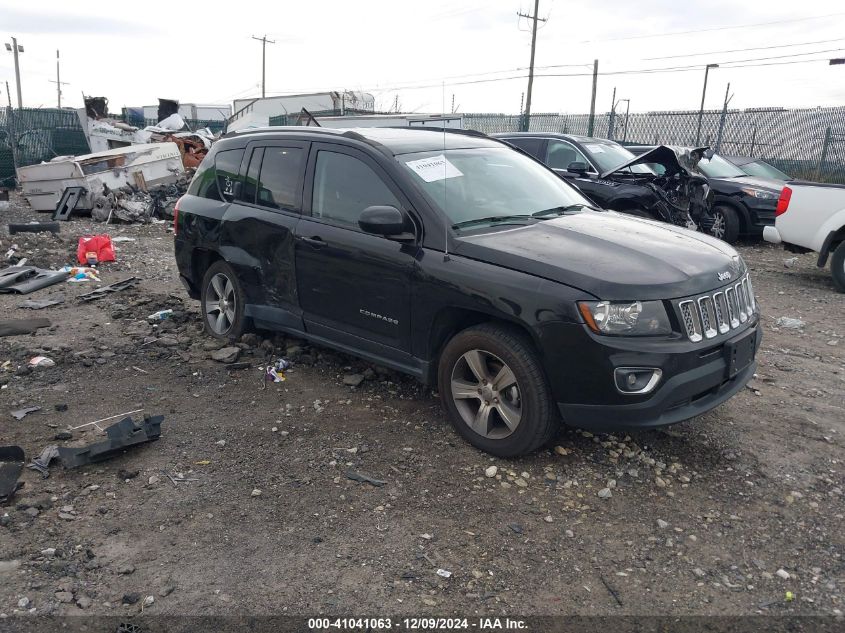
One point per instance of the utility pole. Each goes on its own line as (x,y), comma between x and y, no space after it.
(527,116)
(612,115)
(627,114)
(703,92)
(264,41)
(16,48)
(722,119)
(13,140)
(58,81)
(592,120)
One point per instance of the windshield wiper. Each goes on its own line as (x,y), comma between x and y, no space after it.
(561,210)
(493,219)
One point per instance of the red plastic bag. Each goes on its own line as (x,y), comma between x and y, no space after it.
(94,249)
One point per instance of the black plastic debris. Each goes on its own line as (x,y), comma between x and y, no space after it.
(26,279)
(121,435)
(67,203)
(40,304)
(364,479)
(12,327)
(35,227)
(11,464)
(117,286)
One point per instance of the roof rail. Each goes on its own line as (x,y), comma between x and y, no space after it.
(451,130)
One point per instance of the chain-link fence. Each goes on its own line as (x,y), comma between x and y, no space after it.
(35,135)
(806,143)
(41,134)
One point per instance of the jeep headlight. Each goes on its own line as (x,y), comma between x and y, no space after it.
(628,318)
(762,194)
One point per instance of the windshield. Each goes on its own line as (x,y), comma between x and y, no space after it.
(762,169)
(609,155)
(718,167)
(489,185)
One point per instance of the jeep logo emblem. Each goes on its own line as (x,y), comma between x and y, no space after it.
(724,276)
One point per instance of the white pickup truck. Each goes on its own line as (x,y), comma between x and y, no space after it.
(810,216)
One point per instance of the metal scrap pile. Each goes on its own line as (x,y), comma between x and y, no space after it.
(130,204)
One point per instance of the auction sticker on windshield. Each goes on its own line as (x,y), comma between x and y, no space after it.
(595,149)
(434,168)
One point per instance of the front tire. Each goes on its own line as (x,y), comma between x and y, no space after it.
(837,267)
(724,224)
(222,302)
(495,391)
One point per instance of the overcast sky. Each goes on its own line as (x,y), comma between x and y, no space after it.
(202,52)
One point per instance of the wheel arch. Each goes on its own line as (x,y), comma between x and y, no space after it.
(831,242)
(741,212)
(452,319)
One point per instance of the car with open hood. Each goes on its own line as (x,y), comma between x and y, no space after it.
(616,179)
(454,258)
(742,205)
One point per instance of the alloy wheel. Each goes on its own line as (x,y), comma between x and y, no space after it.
(718,228)
(220,304)
(486,394)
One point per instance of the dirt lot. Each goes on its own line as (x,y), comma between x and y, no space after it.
(737,512)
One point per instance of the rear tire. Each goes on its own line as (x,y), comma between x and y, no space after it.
(724,223)
(837,267)
(495,391)
(222,302)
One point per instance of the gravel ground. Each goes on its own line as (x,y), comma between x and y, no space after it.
(739,511)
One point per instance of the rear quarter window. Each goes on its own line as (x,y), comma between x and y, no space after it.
(216,180)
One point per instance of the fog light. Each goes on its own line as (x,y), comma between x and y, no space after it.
(636,380)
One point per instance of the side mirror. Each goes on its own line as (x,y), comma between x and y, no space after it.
(577,168)
(387,221)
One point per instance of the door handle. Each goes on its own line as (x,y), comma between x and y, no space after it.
(314,242)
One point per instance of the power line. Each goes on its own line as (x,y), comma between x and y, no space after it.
(743,50)
(673,69)
(714,28)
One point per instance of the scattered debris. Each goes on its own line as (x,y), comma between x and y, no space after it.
(256,492)
(789,263)
(41,361)
(117,286)
(276,372)
(790,323)
(40,304)
(491,471)
(121,435)
(161,315)
(364,479)
(42,462)
(25,279)
(444,573)
(226,354)
(20,414)
(35,227)
(782,573)
(94,249)
(11,464)
(612,591)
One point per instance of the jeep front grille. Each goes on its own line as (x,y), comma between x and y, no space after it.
(707,316)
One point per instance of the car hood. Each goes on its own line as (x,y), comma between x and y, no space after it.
(775,186)
(673,159)
(610,255)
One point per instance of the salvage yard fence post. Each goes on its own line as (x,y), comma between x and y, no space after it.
(825,147)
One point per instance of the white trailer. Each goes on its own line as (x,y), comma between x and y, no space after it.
(451,121)
(137,165)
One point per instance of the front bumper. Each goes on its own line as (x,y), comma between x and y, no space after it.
(692,384)
(771,234)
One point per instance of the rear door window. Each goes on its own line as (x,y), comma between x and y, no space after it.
(280,177)
(227,165)
(533,146)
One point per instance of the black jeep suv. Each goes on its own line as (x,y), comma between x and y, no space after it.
(461,261)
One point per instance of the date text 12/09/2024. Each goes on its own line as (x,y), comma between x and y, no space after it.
(417,624)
